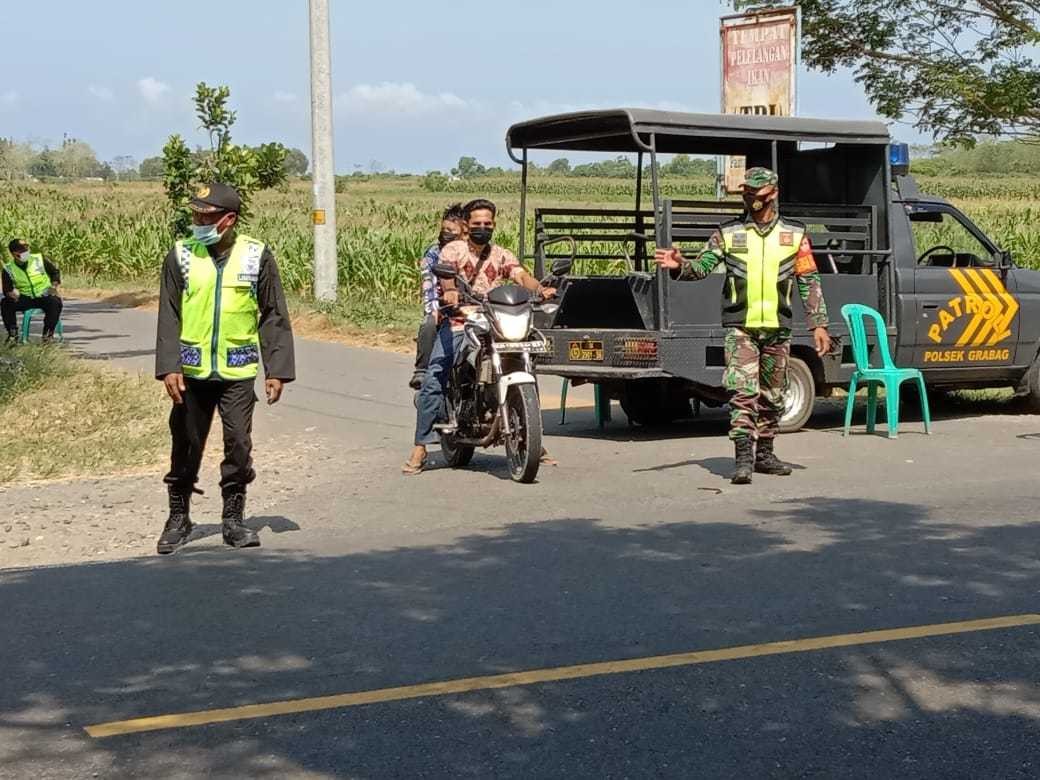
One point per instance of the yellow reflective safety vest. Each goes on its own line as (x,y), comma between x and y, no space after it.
(220,318)
(759,274)
(32,280)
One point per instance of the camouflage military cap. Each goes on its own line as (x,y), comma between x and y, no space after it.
(759,177)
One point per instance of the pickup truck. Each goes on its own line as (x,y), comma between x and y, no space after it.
(956,305)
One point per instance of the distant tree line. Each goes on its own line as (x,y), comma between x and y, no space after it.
(619,167)
(986,157)
(76,159)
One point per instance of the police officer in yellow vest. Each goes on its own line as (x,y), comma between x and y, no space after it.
(221,308)
(30,281)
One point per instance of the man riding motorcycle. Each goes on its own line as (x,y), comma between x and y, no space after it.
(484,265)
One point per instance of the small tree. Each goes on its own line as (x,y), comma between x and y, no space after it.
(468,167)
(434,181)
(296,162)
(247,170)
(560,166)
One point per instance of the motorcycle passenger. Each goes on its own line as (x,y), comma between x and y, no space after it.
(453,227)
(484,265)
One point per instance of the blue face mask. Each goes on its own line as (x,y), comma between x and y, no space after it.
(206,235)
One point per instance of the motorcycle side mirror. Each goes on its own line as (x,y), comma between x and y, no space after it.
(561,267)
(444,271)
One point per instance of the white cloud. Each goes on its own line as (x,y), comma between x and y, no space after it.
(9,99)
(285,97)
(151,89)
(103,94)
(398,98)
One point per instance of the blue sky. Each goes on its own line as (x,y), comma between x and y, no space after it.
(417,84)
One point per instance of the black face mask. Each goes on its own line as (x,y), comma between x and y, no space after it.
(447,236)
(754,205)
(481,236)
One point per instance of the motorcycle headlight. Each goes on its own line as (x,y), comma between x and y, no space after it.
(513,327)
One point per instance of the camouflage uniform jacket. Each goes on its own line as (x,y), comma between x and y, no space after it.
(757,290)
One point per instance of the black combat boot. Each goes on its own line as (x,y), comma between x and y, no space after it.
(12,337)
(766,461)
(178,524)
(745,461)
(235,532)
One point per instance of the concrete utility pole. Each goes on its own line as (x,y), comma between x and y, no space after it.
(322,167)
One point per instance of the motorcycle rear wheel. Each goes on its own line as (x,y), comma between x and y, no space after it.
(457,456)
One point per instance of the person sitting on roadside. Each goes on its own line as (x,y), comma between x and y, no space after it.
(484,265)
(30,281)
(453,227)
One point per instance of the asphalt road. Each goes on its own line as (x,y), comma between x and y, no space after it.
(635,547)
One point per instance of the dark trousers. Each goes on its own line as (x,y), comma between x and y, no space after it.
(51,305)
(424,342)
(190,423)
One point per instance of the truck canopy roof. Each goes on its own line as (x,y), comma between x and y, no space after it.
(625,130)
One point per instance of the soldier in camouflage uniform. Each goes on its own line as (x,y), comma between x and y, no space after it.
(765,257)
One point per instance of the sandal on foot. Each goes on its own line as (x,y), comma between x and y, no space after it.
(410,469)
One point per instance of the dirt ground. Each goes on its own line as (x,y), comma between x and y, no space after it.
(120,516)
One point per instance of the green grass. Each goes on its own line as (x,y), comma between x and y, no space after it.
(63,417)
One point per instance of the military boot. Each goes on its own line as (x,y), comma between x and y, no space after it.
(178,525)
(766,461)
(745,461)
(235,532)
(12,337)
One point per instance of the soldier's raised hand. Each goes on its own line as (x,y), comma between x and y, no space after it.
(670,258)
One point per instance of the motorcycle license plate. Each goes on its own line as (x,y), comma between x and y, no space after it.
(585,351)
(522,346)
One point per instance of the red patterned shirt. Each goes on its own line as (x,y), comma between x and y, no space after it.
(500,265)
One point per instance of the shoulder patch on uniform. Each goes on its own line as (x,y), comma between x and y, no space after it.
(739,239)
(786,238)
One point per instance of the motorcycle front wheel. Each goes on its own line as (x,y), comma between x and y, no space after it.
(524,441)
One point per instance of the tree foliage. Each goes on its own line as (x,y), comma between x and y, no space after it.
(296,162)
(246,169)
(956,69)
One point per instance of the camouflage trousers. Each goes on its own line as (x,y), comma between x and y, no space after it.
(756,373)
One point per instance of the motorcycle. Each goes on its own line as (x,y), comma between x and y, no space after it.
(492,393)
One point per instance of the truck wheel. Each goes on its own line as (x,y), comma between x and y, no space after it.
(800,396)
(1029,388)
(653,402)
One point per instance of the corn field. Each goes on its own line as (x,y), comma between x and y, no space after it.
(119,231)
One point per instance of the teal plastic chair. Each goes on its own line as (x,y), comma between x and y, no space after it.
(887,374)
(27,316)
(602,404)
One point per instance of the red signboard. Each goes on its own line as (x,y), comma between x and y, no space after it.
(759,66)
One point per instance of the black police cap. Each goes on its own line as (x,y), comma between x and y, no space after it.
(216,197)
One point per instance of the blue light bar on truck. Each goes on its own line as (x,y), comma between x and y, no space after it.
(899,158)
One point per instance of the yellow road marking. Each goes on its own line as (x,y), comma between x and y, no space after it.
(514,679)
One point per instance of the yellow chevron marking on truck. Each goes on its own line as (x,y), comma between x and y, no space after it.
(991,307)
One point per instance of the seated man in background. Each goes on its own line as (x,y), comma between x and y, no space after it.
(30,281)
